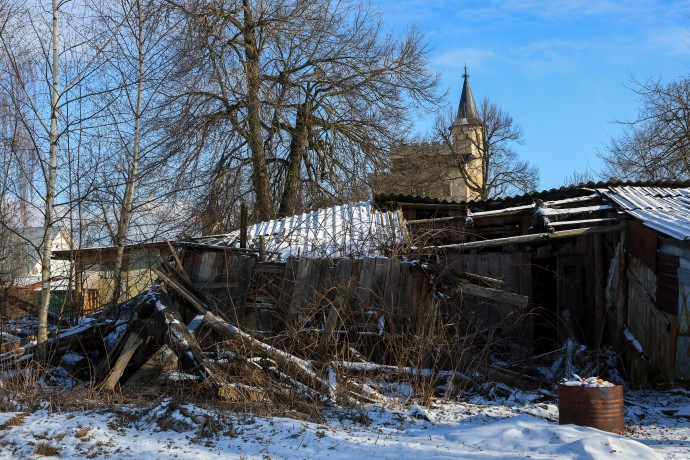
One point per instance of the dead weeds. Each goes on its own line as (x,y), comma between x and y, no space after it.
(44,449)
(17,420)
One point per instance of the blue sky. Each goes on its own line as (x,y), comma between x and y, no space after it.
(561,68)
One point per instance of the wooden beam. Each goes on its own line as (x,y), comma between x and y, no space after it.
(527,239)
(293,366)
(132,342)
(479,279)
(436,220)
(584,221)
(530,207)
(494,294)
(193,299)
(178,262)
(161,360)
(219,285)
(571,211)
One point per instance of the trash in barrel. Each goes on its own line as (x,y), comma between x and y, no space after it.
(591,402)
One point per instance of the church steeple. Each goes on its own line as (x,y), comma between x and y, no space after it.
(467,110)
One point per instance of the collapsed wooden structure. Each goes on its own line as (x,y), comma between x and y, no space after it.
(525,273)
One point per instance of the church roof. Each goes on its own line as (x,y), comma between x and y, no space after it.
(467,110)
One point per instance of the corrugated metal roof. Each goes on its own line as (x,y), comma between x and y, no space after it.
(348,230)
(665,209)
(565,191)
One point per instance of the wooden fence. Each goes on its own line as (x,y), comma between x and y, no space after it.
(369,295)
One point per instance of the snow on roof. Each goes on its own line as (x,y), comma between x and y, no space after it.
(348,230)
(665,209)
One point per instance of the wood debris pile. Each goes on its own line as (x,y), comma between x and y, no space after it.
(174,332)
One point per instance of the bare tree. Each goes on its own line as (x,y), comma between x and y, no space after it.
(46,73)
(312,92)
(655,145)
(131,98)
(501,171)
(580,177)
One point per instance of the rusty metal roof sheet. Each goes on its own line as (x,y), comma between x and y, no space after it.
(348,230)
(665,209)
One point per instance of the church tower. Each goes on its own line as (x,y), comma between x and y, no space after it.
(441,169)
(467,136)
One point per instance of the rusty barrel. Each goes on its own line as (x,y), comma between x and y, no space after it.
(600,408)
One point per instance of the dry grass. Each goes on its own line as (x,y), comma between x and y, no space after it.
(82,432)
(46,450)
(17,420)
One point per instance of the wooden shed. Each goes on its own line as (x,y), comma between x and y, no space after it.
(605,263)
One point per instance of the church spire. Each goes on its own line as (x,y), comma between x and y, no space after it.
(467,110)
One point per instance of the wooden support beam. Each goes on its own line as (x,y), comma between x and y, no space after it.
(526,239)
(570,211)
(178,262)
(478,279)
(584,221)
(494,294)
(182,290)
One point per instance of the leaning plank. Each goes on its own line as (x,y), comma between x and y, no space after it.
(479,279)
(182,342)
(178,263)
(132,342)
(292,365)
(161,360)
(526,239)
(493,294)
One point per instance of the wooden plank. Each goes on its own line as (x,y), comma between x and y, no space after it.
(329,327)
(178,262)
(217,285)
(191,297)
(244,275)
(300,290)
(379,286)
(163,359)
(526,239)
(286,288)
(366,284)
(494,294)
(206,267)
(599,274)
(132,342)
(392,286)
(401,304)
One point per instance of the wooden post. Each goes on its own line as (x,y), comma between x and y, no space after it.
(243,225)
(78,288)
(621,309)
(599,286)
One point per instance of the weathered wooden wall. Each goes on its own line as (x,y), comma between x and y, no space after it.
(371,295)
(652,328)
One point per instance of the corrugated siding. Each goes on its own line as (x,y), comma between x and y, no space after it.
(664,209)
(349,230)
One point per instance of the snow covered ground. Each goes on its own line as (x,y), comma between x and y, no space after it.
(524,425)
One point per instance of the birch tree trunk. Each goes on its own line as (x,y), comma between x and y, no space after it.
(42,335)
(128,204)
